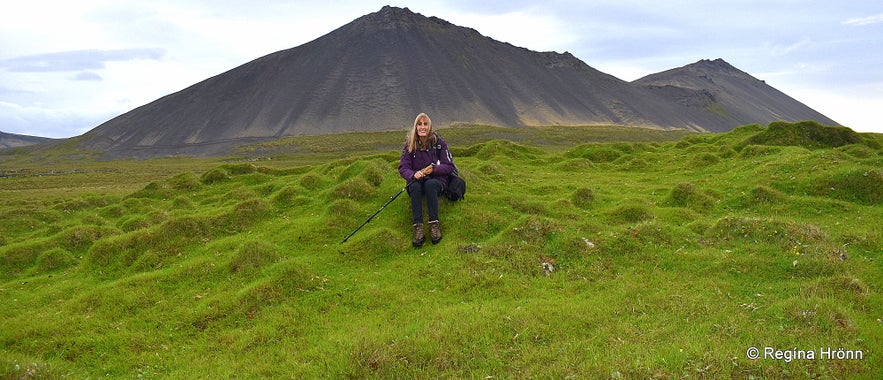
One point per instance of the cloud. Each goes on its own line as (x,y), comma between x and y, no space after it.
(781,50)
(47,122)
(540,31)
(861,21)
(78,60)
(88,76)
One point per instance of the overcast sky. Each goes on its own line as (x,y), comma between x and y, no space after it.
(68,66)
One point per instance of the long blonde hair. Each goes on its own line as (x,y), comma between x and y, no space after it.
(412,142)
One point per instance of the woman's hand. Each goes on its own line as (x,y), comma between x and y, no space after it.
(423,172)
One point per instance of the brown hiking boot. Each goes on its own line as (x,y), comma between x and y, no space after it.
(419,235)
(435,231)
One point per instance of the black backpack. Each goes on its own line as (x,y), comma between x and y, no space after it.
(456,185)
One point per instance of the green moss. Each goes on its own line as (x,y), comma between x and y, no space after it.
(862,186)
(807,134)
(254,255)
(675,254)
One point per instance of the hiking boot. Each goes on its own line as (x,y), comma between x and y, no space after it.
(419,235)
(435,231)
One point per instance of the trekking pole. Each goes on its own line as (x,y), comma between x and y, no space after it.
(392,198)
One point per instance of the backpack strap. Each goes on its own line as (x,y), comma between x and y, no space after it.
(438,151)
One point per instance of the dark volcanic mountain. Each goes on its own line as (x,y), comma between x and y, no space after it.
(729,96)
(379,71)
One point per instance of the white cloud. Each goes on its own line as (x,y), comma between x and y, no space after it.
(536,30)
(88,75)
(861,21)
(54,122)
(778,50)
(78,59)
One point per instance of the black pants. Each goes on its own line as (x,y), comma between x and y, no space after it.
(428,189)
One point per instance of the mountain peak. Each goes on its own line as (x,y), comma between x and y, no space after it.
(704,68)
(717,65)
(377,71)
(392,14)
(391,10)
(719,62)
(390,17)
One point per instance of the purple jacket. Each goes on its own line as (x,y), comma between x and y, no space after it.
(439,155)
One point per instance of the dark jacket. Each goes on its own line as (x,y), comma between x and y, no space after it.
(437,154)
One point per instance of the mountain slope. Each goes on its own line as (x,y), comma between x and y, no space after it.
(380,70)
(11,140)
(730,96)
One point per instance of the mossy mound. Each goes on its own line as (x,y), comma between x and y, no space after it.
(807,134)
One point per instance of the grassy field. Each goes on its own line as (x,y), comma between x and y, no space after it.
(589,252)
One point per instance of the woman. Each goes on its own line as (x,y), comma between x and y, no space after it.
(425,165)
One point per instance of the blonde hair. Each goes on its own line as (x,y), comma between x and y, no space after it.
(412,142)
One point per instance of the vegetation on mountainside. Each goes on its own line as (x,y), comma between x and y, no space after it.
(568,258)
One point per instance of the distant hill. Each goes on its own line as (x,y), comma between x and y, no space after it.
(729,96)
(380,70)
(11,140)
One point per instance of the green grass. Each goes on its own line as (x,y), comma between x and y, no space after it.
(655,256)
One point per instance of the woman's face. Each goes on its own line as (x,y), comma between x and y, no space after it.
(423,127)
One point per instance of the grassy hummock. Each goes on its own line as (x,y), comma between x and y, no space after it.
(652,256)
